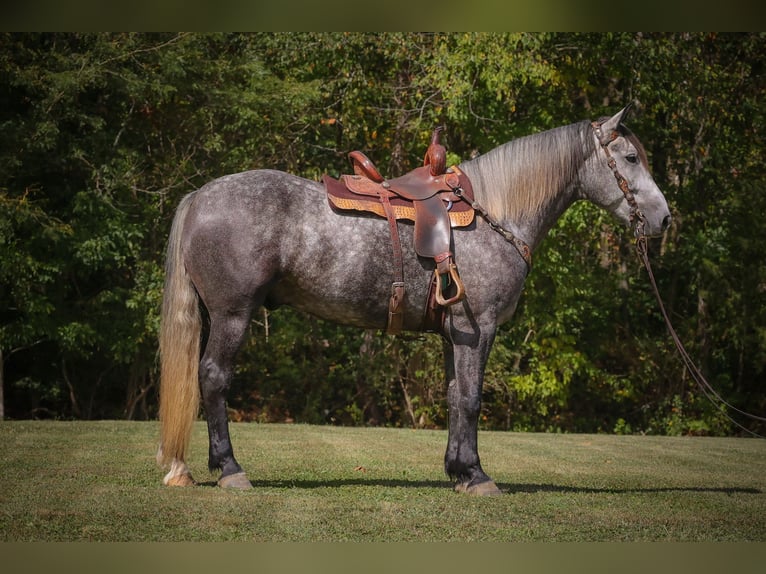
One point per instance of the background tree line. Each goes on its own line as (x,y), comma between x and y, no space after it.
(102,134)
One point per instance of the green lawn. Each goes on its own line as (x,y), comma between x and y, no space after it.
(67,481)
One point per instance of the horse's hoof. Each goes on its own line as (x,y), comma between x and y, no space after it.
(486,488)
(461,487)
(180,480)
(238,481)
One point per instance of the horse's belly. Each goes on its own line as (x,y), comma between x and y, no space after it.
(335,277)
(344,307)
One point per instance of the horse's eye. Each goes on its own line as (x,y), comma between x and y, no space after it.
(632,158)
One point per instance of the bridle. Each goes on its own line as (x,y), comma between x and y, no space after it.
(638,224)
(637,219)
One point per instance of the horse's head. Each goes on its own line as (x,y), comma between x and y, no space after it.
(619,178)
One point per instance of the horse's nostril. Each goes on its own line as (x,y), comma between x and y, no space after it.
(666,222)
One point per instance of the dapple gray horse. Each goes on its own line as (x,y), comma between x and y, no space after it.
(268,238)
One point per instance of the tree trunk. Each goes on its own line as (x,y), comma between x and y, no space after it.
(366,396)
(408,402)
(2,382)
(72,395)
(140,382)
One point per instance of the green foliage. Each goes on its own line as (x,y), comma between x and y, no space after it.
(317,372)
(101,135)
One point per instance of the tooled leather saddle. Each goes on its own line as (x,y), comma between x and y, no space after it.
(433,197)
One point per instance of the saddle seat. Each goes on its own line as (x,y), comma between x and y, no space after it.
(431,196)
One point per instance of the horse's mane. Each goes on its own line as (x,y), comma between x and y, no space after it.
(519,178)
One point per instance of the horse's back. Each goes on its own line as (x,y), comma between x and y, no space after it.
(271,237)
(254,194)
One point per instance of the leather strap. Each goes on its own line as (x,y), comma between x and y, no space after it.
(396,303)
(465,191)
(434,314)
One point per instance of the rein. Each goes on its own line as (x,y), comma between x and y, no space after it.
(638,223)
(716,399)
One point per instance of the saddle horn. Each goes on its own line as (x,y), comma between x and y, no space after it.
(436,154)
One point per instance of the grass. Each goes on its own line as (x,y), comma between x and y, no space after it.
(97,481)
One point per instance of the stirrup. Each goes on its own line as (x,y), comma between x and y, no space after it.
(452,274)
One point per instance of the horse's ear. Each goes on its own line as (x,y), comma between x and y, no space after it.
(609,129)
(624,112)
(613,123)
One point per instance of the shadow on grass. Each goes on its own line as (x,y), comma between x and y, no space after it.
(535,488)
(506,488)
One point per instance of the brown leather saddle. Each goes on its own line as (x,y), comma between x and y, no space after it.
(431,196)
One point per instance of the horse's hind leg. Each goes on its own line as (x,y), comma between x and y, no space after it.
(227,330)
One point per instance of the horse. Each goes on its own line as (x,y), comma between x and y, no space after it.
(269,238)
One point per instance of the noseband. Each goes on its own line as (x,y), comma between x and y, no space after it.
(637,219)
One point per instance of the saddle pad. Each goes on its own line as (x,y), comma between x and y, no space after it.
(342,199)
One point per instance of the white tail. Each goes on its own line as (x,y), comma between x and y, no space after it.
(179,350)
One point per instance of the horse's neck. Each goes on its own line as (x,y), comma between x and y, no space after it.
(537,227)
(529,225)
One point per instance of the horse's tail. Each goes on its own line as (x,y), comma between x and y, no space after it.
(180,332)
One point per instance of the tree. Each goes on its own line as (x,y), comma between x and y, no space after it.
(101,135)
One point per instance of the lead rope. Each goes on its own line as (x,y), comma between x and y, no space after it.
(707,389)
(638,222)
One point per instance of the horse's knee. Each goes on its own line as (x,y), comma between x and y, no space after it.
(214,381)
(466,397)
(470,404)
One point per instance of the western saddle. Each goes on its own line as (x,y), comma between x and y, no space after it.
(434,198)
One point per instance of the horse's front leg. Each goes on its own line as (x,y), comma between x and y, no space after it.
(464,366)
(216,370)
